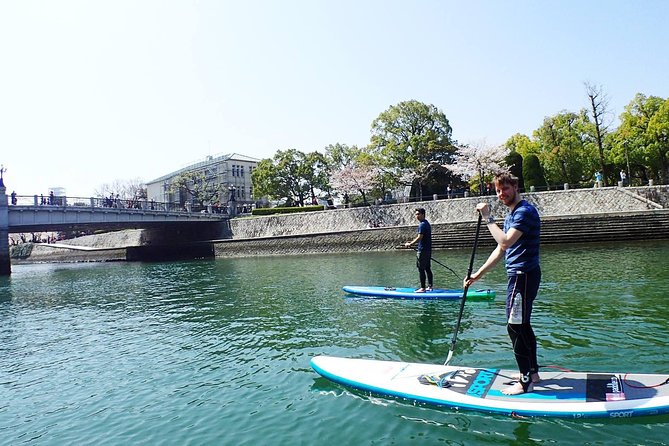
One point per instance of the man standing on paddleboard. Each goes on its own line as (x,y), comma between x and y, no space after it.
(423,251)
(518,243)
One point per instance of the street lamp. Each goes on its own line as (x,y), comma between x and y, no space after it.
(232,207)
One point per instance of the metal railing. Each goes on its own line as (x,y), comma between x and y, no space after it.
(56,201)
(464,193)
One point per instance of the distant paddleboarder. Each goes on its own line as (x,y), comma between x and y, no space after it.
(423,251)
(518,243)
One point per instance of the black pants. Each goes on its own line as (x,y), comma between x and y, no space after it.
(423,263)
(521,291)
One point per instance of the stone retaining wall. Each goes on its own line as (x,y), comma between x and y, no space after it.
(570,216)
(553,203)
(617,227)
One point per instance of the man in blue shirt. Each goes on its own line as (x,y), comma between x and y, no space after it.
(423,251)
(518,243)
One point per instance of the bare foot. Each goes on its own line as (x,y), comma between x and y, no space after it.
(517,389)
(420,290)
(428,288)
(535,378)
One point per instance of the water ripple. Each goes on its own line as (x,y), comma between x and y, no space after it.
(217,352)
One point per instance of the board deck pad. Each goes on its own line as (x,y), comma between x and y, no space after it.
(559,394)
(380,292)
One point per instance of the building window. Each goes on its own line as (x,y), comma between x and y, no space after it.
(241,171)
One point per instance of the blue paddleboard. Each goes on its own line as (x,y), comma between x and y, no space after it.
(410,293)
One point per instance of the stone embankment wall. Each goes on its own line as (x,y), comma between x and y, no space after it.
(110,246)
(570,216)
(554,203)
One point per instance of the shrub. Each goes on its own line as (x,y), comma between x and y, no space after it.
(283,210)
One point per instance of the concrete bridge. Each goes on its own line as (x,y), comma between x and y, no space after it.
(50,214)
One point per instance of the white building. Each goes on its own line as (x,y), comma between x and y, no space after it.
(230,174)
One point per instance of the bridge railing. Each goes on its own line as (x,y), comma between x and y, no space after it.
(102,203)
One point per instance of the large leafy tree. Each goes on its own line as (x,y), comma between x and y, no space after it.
(565,152)
(407,137)
(315,170)
(292,176)
(633,142)
(267,181)
(658,136)
(340,155)
(522,144)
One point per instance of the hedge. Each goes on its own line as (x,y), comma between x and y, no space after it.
(290,210)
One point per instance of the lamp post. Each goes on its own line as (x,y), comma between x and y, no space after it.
(232,207)
(5,265)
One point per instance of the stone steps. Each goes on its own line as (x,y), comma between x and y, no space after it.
(569,229)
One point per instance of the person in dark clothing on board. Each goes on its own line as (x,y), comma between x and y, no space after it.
(518,244)
(423,251)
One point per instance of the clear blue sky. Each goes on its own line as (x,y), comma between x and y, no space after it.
(95,91)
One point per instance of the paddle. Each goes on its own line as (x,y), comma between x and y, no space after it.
(434,260)
(437,261)
(464,293)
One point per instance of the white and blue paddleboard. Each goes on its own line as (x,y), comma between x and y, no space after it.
(558,394)
(410,293)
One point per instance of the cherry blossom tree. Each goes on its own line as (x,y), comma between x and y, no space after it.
(353,179)
(478,162)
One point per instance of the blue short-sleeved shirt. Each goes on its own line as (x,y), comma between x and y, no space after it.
(523,256)
(425,244)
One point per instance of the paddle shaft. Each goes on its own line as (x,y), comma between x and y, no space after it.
(437,261)
(464,292)
(434,260)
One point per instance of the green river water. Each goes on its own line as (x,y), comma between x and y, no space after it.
(217,352)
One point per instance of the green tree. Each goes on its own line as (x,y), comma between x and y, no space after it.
(564,151)
(316,172)
(341,155)
(292,176)
(409,136)
(266,180)
(515,163)
(533,172)
(658,137)
(633,142)
(522,144)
